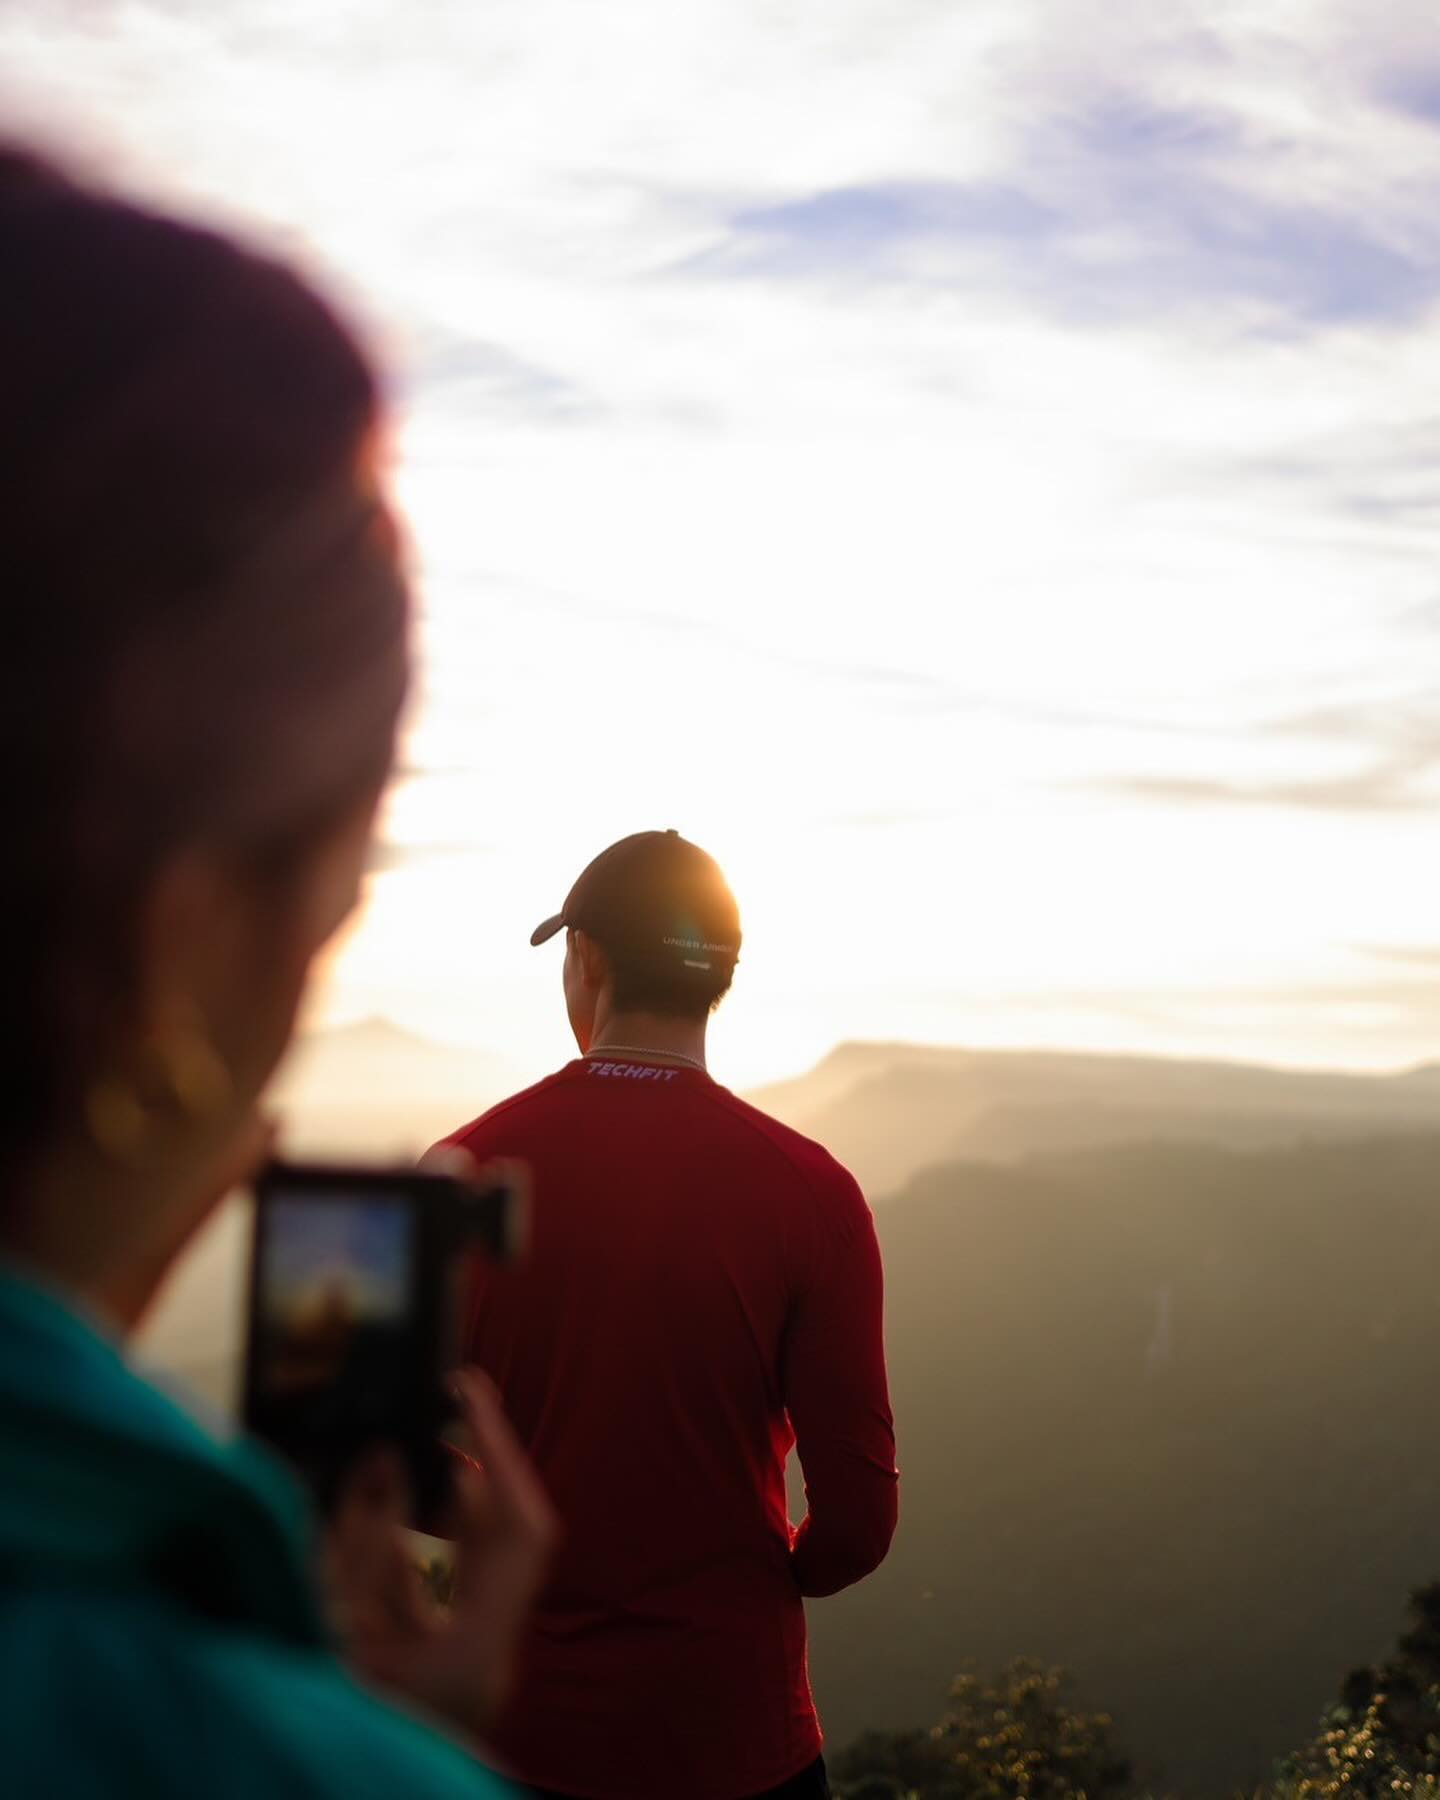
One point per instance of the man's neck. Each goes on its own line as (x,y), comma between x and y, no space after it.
(652,1033)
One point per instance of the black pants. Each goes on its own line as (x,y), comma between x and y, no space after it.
(809,1784)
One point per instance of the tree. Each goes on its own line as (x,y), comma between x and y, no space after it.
(1382,1737)
(1013,1736)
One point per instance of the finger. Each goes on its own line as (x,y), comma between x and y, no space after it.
(449,1159)
(472,1529)
(455,1505)
(362,1535)
(374,1492)
(374,1515)
(514,1496)
(461,1164)
(508,1528)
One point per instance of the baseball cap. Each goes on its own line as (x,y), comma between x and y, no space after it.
(654,894)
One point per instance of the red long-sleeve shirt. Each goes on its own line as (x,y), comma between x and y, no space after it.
(702,1290)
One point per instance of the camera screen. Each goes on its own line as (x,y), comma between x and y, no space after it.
(333,1306)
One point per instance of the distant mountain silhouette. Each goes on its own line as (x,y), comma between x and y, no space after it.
(887,1110)
(890,1110)
(375,1089)
(1422,1072)
(1164,1416)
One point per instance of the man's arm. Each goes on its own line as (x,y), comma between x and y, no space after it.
(839,1406)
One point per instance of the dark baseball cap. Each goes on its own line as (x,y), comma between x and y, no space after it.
(656,895)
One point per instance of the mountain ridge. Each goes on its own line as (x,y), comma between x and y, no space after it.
(889,1111)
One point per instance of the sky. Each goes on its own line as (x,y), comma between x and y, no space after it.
(971,466)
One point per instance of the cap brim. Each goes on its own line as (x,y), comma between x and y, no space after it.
(542,934)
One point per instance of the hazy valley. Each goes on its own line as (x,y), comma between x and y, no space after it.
(1158,1334)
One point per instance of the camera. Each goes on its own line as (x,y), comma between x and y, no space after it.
(353,1316)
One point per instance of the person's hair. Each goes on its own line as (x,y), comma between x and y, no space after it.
(647,984)
(202,612)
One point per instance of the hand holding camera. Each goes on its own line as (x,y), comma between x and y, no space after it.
(455,1660)
(354,1312)
(350,1374)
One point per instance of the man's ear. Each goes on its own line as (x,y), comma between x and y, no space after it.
(594,964)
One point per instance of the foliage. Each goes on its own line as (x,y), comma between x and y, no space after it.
(1016,1734)
(1383,1735)
(438,1576)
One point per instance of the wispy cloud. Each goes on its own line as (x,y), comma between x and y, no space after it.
(1414,89)
(1397,735)
(1424,956)
(388,854)
(867,232)
(1110,213)
(1385,788)
(471,376)
(1373,474)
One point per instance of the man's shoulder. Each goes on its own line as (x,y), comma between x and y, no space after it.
(810,1161)
(525,1121)
(530,1106)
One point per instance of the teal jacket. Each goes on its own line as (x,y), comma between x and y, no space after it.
(159,1632)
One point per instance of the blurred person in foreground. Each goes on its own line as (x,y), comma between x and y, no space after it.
(701,1290)
(205,654)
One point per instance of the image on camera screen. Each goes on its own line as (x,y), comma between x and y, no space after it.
(334,1299)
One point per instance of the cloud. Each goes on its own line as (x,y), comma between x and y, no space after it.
(1401,725)
(1414,90)
(1374,474)
(1424,956)
(474,376)
(387,855)
(1114,210)
(855,227)
(1418,996)
(1398,734)
(1384,788)
(1096,259)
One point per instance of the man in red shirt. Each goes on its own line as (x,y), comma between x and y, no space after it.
(702,1290)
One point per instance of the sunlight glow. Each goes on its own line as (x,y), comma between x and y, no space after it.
(1000,529)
